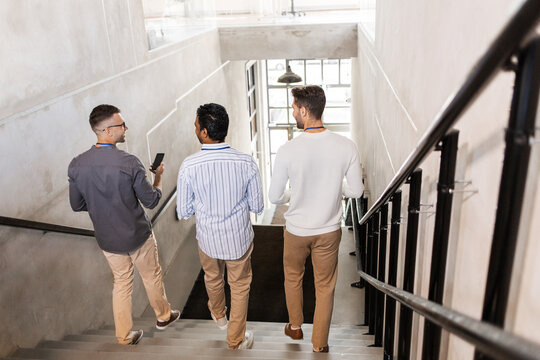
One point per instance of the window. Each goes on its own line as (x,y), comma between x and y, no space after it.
(333,75)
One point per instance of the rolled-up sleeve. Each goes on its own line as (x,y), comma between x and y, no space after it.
(184,195)
(148,195)
(76,198)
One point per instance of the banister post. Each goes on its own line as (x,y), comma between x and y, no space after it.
(447,171)
(383,226)
(369,289)
(521,127)
(390,318)
(373,272)
(405,318)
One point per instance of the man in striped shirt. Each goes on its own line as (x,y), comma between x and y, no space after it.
(221,185)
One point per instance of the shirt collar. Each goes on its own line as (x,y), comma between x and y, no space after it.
(215,146)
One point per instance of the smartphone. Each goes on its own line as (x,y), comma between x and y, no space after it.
(157,160)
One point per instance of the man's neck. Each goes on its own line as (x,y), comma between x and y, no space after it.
(209,142)
(309,124)
(105,142)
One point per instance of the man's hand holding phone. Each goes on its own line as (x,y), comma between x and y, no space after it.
(157,168)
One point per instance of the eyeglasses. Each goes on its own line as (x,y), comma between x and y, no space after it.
(123,125)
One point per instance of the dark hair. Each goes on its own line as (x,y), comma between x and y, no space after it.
(100,113)
(213,118)
(311,97)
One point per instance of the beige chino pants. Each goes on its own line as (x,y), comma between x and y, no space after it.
(324,250)
(239,278)
(147,262)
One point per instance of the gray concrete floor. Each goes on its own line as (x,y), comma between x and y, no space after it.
(348,301)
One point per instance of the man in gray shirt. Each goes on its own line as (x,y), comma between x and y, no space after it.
(111,185)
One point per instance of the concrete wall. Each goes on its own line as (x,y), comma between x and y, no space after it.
(58,61)
(420,53)
(291,41)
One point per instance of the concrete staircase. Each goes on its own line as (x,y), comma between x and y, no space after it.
(201,339)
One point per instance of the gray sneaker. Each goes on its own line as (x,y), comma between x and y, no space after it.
(247,343)
(136,336)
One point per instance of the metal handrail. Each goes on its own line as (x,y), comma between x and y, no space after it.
(507,42)
(36,225)
(49,227)
(488,338)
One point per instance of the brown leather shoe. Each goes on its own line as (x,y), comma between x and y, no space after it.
(297,334)
(162,325)
(324,349)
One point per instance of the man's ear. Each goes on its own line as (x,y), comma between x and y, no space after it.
(204,133)
(303,111)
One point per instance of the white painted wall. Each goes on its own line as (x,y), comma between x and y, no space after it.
(58,61)
(420,53)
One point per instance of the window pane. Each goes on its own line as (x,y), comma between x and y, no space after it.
(277,97)
(252,103)
(291,117)
(278,137)
(252,77)
(331,71)
(339,115)
(345,71)
(313,72)
(338,96)
(278,116)
(275,69)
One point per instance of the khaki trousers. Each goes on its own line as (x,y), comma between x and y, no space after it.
(146,260)
(324,256)
(239,279)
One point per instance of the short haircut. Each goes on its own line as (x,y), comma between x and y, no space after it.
(311,97)
(100,113)
(213,118)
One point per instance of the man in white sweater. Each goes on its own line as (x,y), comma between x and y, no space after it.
(315,164)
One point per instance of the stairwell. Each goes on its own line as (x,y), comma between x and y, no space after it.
(192,337)
(201,339)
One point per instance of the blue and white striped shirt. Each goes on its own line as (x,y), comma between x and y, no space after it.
(220,185)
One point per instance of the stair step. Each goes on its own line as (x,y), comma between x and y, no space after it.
(279,340)
(337,333)
(279,325)
(197,334)
(172,345)
(252,325)
(162,353)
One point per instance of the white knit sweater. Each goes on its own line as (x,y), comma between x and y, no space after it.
(315,165)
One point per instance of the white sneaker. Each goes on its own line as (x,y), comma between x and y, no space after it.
(221,323)
(247,343)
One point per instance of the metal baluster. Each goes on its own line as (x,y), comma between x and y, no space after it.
(373,272)
(447,171)
(405,318)
(514,174)
(383,227)
(369,288)
(390,318)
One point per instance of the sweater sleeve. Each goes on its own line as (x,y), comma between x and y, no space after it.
(353,187)
(277,193)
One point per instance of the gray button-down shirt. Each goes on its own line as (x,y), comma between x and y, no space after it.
(111,185)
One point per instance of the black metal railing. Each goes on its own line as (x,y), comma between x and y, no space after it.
(513,50)
(48,227)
